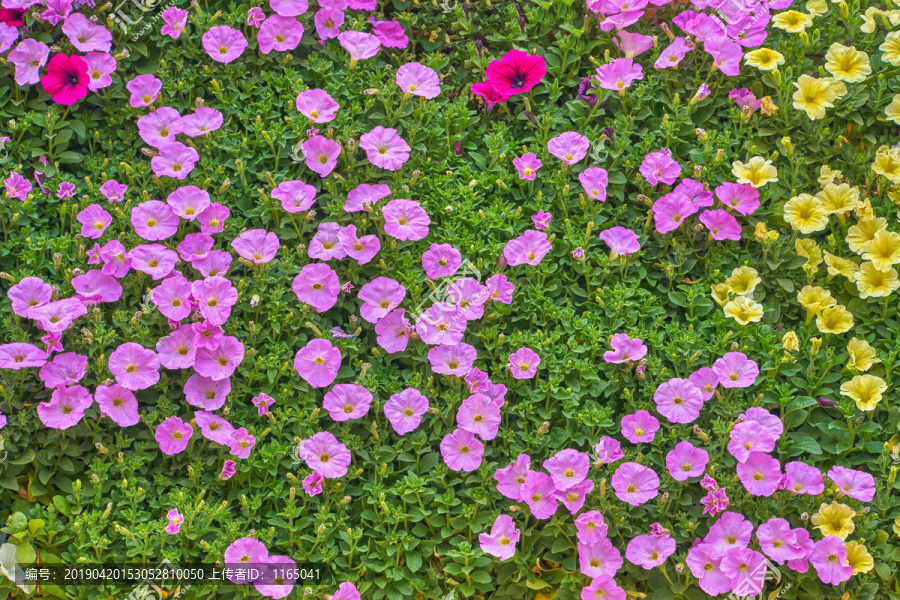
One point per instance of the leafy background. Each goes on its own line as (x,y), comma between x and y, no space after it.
(409,526)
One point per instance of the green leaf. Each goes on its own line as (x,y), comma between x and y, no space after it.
(413,561)
(25,554)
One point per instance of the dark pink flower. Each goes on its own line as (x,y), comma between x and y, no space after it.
(516,72)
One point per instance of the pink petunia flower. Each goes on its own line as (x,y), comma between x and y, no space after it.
(404,411)
(858,485)
(649,551)
(479,415)
(347,401)
(28,57)
(760,474)
(639,427)
(219,362)
(86,35)
(385,148)
(454,359)
(118,403)
(321,154)
(660,167)
(66,407)
(590,527)
(570,147)
(704,562)
(511,478)
(134,367)
(635,483)
(735,370)
(359,45)
(619,74)
(318,362)
(529,248)
(326,455)
(175,521)
(173,435)
(389,34)
(94,221)
(160,126)
(500,289)
(721,225)
(441,260)
(461,450)
(829,559)
(224,44)
(365,195)
(317,285)
(174,160)
(257,245)
(144,90)
(686,461)
(678,400)
(418,80)
(527,165)
(393,331)
(599,559)
(523,363)
(405,220)
(624,349)
(279,33)
(501,542)
(175,21)
(202,121)
(741,197)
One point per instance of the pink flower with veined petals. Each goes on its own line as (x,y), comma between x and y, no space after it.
(670,211)
(621,240)
(569,147)
(527,165)
(511,478)
(523,363)
(501,542)
(632,44)
(365,195)
(219,362)
(568,468)
(202,121)
(649,551)
(760,474)
(28,57)
(86,35)
(289,8)
(360,45)
(380,296)
(58,315)
(154,220)
(385,148)
(678,400)
(529,248)
(608,450)
(393,331)
(685,461)
(390,34)
(321,154)
(417,79)
(479,415)
(144,90)
(590,527)
(539,493)
(660,166)
(29,293)
(704,561)
(829,559)
(672,55)
(17,186)
(67,368)
(619,74)
(317,106)
(456,359)
(188,202)
(441,260)
(361,249)
(735,370)
(118,403)
(173,435)
(312,484)
(213,427)
(318,363)
(224,44)
(635,483)
(328,23)
(405,220)
(594,180)
(176,20)
(212,220)
(94,221)
(802,478)
(113,191)
(347,401)
(326,455)
(94,287)
(279,33)
(134,366)
(241,443)
(741,197)
(600,559)
(66,407)
(721,225)
(257,245)
(624,349)
(500,289)
(491,96)
(317,285)
(726,54)
(404,411)
(295,196)
(639,427)
(160,126)
(100,66)
(215,297)
(858,485)
(206,393)
(177,350)
(174,160)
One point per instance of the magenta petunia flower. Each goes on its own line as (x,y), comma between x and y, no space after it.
(328,22)
(454,359)
(318,363)
(590,527)
(67,79)
(635,483)
(480,415)
(174,160)
(214,428)
(393,331)
(257,245)
(541,220)
(326,455)
(441,260)
(741,197)
(624,349)
(66,407)
(619,74)
(500,289)
(160,126)
(735,370)
(603,587)
(801,565)
(491,96)
(569,147)
(389,33)
(608,450)
(660,167)
(207,335)
(501,542)
(224,44)
(574,497)
(721,225)
(241,552)
(760,474)
(686,461)
(858,485)
(385,148)
(194,247)
(620,240)
(469,297)
(175,520)
(317,285)
(347,401)
(173,435)
(599,559)
(17,186)
(134,367)
(365,195)
(523,363)
(118,403)
(317,106)
(361,249)
(461,450)
(527,165)
(516,73)
(404,411)
(529,248)
(359,45)
(326,244)
(321,154)
(649,551)
(441,323)
(829,559)
(113,191)
(58,315)
(154,220)
(714,502)
(747,570)
(405,220)
(29,293)
(279,33)
(745,100)
(144,90)
(295,196)
(212,220)
(215,296)
(632,44)
(678,400)
(262,402)
(175,21)
(94,287)
(202,121)
(726,54)
(346,591)
(639,427)
(539,493)
(216,262)
(312,484)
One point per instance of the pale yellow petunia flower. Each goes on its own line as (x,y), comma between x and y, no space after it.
(847,63)
(813,96)
(764,59)
(805,214)
(873,283)
(744,310)
(757,172)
